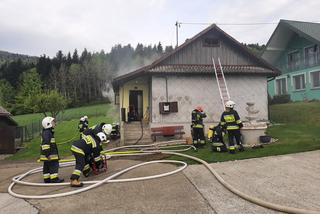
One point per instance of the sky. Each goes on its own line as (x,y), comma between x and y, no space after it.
(37,27)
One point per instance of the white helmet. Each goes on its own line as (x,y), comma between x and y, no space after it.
(230,104)
(85,117)
(82,119)
(47,122)
(102,136)
(107,128)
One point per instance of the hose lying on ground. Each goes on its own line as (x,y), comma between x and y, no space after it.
(94,184)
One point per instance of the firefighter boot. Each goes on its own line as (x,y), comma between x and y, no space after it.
(57,180)
(75,183)
(241,148)
(47,180)
(232,150)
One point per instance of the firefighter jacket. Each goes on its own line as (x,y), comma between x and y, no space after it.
(88,146)
(48,147)
(218,133)
(230,120)
(94,130)
(83,125)
(197,118)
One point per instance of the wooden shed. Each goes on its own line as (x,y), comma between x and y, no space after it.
(7,132)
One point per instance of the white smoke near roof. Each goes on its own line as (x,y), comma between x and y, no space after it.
(127,66)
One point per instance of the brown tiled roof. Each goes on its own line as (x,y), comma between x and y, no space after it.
(264,67)
(202,69)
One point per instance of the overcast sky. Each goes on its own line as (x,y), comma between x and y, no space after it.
(37,27)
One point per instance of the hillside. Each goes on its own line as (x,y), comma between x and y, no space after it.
(8,57)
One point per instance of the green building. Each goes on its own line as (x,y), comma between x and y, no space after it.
(294,49)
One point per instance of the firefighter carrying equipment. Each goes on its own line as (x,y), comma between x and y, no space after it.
(215,136)
(86,149)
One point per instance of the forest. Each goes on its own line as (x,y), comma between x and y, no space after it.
(71,79)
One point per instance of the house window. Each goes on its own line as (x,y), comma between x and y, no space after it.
(211,42)
(299,82)
(315,79)
(293,60)
(281,86)
(310,54)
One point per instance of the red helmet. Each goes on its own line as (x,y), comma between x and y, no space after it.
(199,108)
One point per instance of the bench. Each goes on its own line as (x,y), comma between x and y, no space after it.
(166,131)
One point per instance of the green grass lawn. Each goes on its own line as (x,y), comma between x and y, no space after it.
(66,132)
(298,131)
(72,113)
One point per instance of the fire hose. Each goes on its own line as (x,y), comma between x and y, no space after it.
(93,184)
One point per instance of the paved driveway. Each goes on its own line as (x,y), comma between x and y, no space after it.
(292,180)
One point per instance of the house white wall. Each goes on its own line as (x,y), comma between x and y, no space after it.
(191,91)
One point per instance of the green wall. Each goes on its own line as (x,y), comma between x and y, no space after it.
(309,93)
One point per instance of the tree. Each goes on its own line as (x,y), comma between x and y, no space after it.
(75,57)
(6,94)
(51,102)
(31,87)
(159,48)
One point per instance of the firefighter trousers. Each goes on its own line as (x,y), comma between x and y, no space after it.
(198,136)
(50,170)
(82,165)
(234,134)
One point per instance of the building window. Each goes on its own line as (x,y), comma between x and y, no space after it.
(315,79)
(281,86)
(293,60)
(310,54)
(211,42)
(299,82)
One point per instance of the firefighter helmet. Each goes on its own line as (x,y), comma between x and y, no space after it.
(107,128)
(85,117)
(230,104)
(48,122)
(102,136)
(199,108)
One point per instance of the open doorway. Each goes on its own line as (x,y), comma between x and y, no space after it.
(135,112)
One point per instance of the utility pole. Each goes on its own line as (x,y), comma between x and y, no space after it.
(178,24)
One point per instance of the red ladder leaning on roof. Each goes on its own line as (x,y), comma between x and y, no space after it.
(222,85)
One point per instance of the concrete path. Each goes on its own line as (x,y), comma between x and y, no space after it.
(292,180)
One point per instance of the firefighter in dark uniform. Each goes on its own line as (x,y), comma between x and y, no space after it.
(231,121)
(49,152)
(83,125)
(197,126)
(101,127)
(86,150)
(215,136)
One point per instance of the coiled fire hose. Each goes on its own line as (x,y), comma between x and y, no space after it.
(93,184)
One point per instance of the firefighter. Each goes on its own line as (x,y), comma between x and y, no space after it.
(83,125)
(215,136)
(49,152)
(197,126)
(102,127)
(231,121)
(84,150)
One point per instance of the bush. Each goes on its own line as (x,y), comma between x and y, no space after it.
(280,99)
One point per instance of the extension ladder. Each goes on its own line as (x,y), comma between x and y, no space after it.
(222,84)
